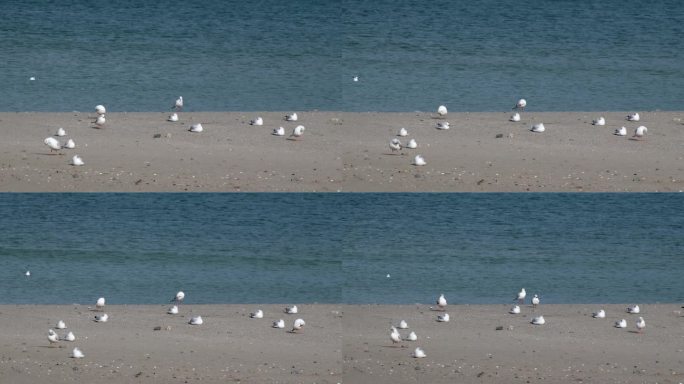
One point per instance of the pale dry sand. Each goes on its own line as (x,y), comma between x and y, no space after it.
(343,343)
(346,152)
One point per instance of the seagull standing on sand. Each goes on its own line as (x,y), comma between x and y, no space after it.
(633,309)
(515,310)
(412,144)
(640,324)
(279,323)
(291,117)
(178,299)
(101,318)
(600,121)
(173,117)
(640,132)
(601,314)
(441,302)
(100,304)
(298,131)
(443,125)
(291,310)
(539,128)
(539,320)
(52,143)
(77,354)
(395,336)
(258,121)
(196,128)
(259,314)
(178,106)
(298,325)
(443,318)
(521,104)
(61,132)
(395,145)
(196,320)
(633,117)
(280,131)
(76,160)
(402,132)
(69,144)
(535,301)
(419,160)
(442,110)
(521,296)
(100,121)
(620,132)
(515,117)
(52,337)
(621,324)
(100,109)
(418,353)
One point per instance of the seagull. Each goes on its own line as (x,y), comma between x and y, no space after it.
(538,128)
(521,104)
(515,310)
(539,320)
(196,320)
(418,353)
(402,132)
(600,121)
(601,314)
(52,143)
(640,324)
(291,117)
(403,324)
(100,303)
(173,310)
(100,109)
(180,295)
(69,337)
(411,337)
(443,125)
(298,325)
(280,131)
(442,110)
(395,336)
(77,354)
(52,337)
(640,132)
(69,144)
(291,310)
(620,132)
(257,315)
(355,78)
(298,131)
(515,117)
(633,309)
(441,302)
(101,318)
(621,324)
(61,132)
(395,145)
(32,78)
(535,300)
(178,106)
(279,324)
(419,160)
(196,128)
(443,318)
(100,121)
(634,116)
(28,274)
(521,296)
(412,144)
(173,117)
(257,121)
(61,325)
(76,160)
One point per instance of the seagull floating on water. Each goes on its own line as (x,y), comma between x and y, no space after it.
(442,110)
(101,318)
(515,117)
(620,132)
(178,106)
(196,128)
(77,354)
(443,318)
(291,310)
(535,300)
(298,131)
(419,160)
(600,121)
(538,320)
(298,325)
(640,132)
(621,324)
(355,78)
(601,314)
(539,128)
(52,337)
(52,143)
(633,309)
(99,305)
(257,121)
(173,117)
(291,117)
(515,310)
(196,320)
(61,132)
(403,325)
(280,131)
(640,324)
(173,310)
(69,337)
(259,314)
(411,337)
(279,323)
(69,144)
(521,296)
(412,144)
(100,109)
(395,144)
(443,125)
(418,353)
(402,132)
(76,160)
(27,274)
(521,104)
(61,325)
(633,116)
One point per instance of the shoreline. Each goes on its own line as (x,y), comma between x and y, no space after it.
(342,343)
(342,151)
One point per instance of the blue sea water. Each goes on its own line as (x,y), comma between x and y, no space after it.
(339,248)
(301,55)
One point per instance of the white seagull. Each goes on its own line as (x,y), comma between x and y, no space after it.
(61,132)
(298,131)
(28,274)
(77,354)
(444,318)
(259,314)
(601,314)
(412,144)
(640,324)
(291,117)
(403,325)
(196,128)
(179,104)
(173,117)
(600,121)
(538,320)
(441,302)
(52,143)
(69,144)
(99,305)
(443,125)
(180,295)
(521,104)
(621,324)
(280,131)
(52,337)
(620,131)
(279,323)
(76,160)
(61,325)
(539,128)
(419,160)
(291,310)
(355,78)
(69,337)
(395,144)
(411,337)
(101,318)
(442,110)
(258,121)
(514,310)
(515,117)
(633,309)
(640,132)
(418,353)
(173,310)
(634,116)
(535,300)
(402,132)
(521,296)
(100,109)
(196,320)
(100,121)
(298,325)
(395,336)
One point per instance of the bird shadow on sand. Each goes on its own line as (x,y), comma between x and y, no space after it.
(48,154)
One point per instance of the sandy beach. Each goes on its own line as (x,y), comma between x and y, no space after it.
(339,151)
(342,343)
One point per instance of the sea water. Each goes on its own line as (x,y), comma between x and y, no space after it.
(301,55)
(341,248)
